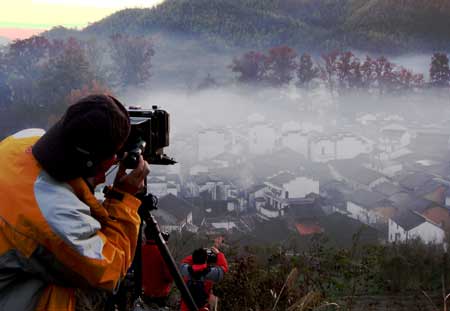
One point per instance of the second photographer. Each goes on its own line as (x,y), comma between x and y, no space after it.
(201,271)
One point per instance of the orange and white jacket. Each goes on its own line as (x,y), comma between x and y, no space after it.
(55,236)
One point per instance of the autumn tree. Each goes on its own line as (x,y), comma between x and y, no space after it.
(251,67)
(348,71)
(131,58)
(95,55)
(5,90)
(384,75)
(439,70)
(63,74)
(25,57)
(93,87)
(368,73)
(406,80)
(281,65)
(306,71)
(328,70)
(23,62)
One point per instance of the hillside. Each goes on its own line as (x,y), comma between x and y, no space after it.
(375,25)
(227,23)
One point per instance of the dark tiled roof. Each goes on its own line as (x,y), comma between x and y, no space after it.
(367,199)
(353,171)
(412,181)
(262,167)
(430,142)
(429,187)
(405,201)
(319,171)
(391,133)
(281,179)
(202,179)
(408,220)
(256,188)
(342,230)
(179,208)
(305,208)
(164,218)
(441,169)
(387,188)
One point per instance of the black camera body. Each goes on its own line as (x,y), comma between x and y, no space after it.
(148,136)
(212,257)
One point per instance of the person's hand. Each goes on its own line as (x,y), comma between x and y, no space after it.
(133,182)
(215,250)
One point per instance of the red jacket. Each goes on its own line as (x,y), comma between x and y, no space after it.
(156,278)
(215,275)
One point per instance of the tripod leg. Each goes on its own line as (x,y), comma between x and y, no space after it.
(156,235)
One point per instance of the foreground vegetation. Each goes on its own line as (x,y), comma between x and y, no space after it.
(273,278)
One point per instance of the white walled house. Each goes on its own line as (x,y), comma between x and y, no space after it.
(301,186)
(261,139)
(369,207)
(281,188)
(410,225)
(322,149)
(296,140)
(211,143)
(174,214)
(157,185)
(349,146)
(198,169)
(340,146)
(254,193)
(394,137)
(356,175)
(173,189)
(367,119)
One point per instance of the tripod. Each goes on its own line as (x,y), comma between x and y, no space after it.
(149,203)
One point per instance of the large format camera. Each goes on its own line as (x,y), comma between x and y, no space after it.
(148,137)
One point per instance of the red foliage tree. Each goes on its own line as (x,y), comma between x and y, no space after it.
(439,70)
(132,58)
(328,71)
(69,71)
(348,69)
(368,73)
(251,67)
(281,65)
(24,57)
(306,71)
(406,80)
(384,75)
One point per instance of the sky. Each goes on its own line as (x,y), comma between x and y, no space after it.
(22,18)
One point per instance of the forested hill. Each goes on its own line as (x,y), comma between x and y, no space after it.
(373,25)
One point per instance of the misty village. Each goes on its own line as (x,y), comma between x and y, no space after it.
(311,138)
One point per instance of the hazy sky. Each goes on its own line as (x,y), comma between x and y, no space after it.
(21,16)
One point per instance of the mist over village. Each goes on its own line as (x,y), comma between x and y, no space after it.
(312,137)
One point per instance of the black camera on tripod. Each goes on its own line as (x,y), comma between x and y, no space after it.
(149,135)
